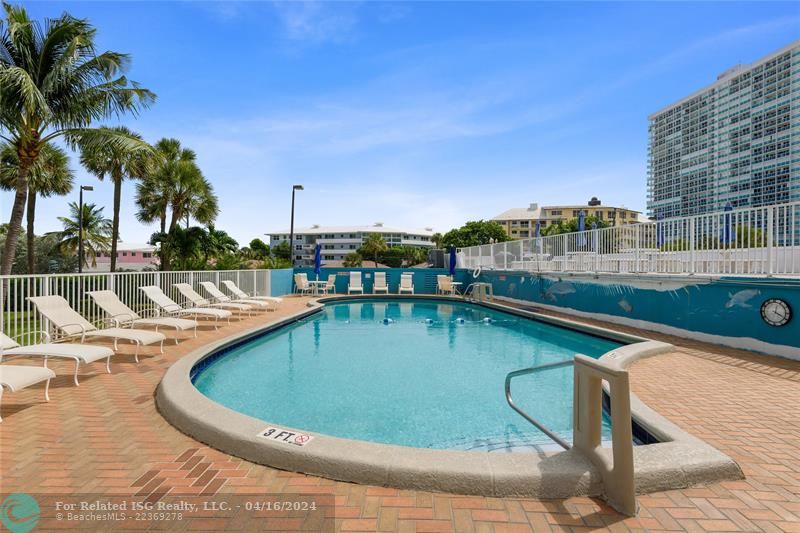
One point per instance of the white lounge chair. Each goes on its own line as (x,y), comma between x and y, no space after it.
(219,297)
(239,293)
(80,353)
(301,284)
(16,377)
(167,305)
(122,315)
(444,285)
(406,283)
(197,300)
(380,283)
(355,283)
(72,325)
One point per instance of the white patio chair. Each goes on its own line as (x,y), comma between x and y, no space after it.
(406,283)
(80,353)
(380,285)
(330,284)
(355,283)
(16,377)
(122,315)
(219,297)
(301,284)
(197,300)
(239,293)
(444,285)
(72,325)
(167,305)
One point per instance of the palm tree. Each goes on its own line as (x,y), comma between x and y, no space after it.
(218,243)
(50,175)
(96,232)
(117,162)
(54,84)
(374,245)
(175,190)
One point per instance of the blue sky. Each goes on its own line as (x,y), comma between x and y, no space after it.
(414,114)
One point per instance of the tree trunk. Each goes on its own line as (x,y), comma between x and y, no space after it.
(115,221)
(31,236)
(17,212)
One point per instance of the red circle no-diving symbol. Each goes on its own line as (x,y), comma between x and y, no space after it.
(302,439)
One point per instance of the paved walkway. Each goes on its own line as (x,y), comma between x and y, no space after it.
(106,438)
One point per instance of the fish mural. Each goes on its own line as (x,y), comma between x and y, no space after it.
(559,288)
(741,298)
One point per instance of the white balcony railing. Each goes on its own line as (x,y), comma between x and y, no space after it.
(758,241)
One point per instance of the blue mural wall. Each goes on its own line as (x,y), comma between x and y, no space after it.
(728,306)
(424,278)
(280,282)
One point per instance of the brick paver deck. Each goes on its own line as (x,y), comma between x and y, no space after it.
(106,438)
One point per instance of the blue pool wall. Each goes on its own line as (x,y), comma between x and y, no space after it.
(725,310)
(424,278)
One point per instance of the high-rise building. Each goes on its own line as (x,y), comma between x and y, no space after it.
(736,140)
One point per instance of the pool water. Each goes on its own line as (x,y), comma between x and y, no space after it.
(415,373)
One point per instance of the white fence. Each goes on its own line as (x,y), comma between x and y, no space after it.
(760,241)
(21,320)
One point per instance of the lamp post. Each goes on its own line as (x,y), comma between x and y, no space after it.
(291,225)
(80,225)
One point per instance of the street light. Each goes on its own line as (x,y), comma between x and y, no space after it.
(291,225)
(80,225)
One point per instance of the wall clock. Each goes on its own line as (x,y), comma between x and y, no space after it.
(776,312)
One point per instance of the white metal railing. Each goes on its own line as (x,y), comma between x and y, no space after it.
(20,319)
(758,241)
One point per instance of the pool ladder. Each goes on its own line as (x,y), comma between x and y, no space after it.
(523,372)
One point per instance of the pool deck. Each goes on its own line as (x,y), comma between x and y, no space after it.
(106,438)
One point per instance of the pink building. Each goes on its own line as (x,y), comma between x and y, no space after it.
(130,256)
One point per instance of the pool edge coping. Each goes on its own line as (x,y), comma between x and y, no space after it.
(679,461)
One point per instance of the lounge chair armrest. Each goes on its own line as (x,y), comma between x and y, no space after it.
(103,322)
(43,335)
(122,317)
(150,312)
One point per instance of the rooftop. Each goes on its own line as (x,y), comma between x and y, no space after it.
(378,227)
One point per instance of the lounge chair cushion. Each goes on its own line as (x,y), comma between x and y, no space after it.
(15,377)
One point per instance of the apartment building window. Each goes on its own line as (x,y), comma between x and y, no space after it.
(124,254)
(147,255)
(556,213)
(298,246)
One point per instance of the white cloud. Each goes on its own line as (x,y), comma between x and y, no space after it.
(317,22)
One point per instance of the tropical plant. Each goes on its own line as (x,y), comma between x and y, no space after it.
(259,249)
(50,175)
(571,225)
(96,233)
(117,162)
(175,189)
(474,233)
(374,245)
(282,250)
(276,262)
(182,247)
(353,260)
(217,243)
(54,84)
(437,239)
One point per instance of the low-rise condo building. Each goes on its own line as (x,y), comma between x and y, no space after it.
(520,222)
(339,241)
(130,256)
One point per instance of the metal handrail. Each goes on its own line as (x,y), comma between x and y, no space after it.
(524,371)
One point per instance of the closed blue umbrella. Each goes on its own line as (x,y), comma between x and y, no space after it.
(659,232)
(317,260)
(728,231)
(452,260)
(581,228)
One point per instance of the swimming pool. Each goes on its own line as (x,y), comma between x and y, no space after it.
(415,373)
